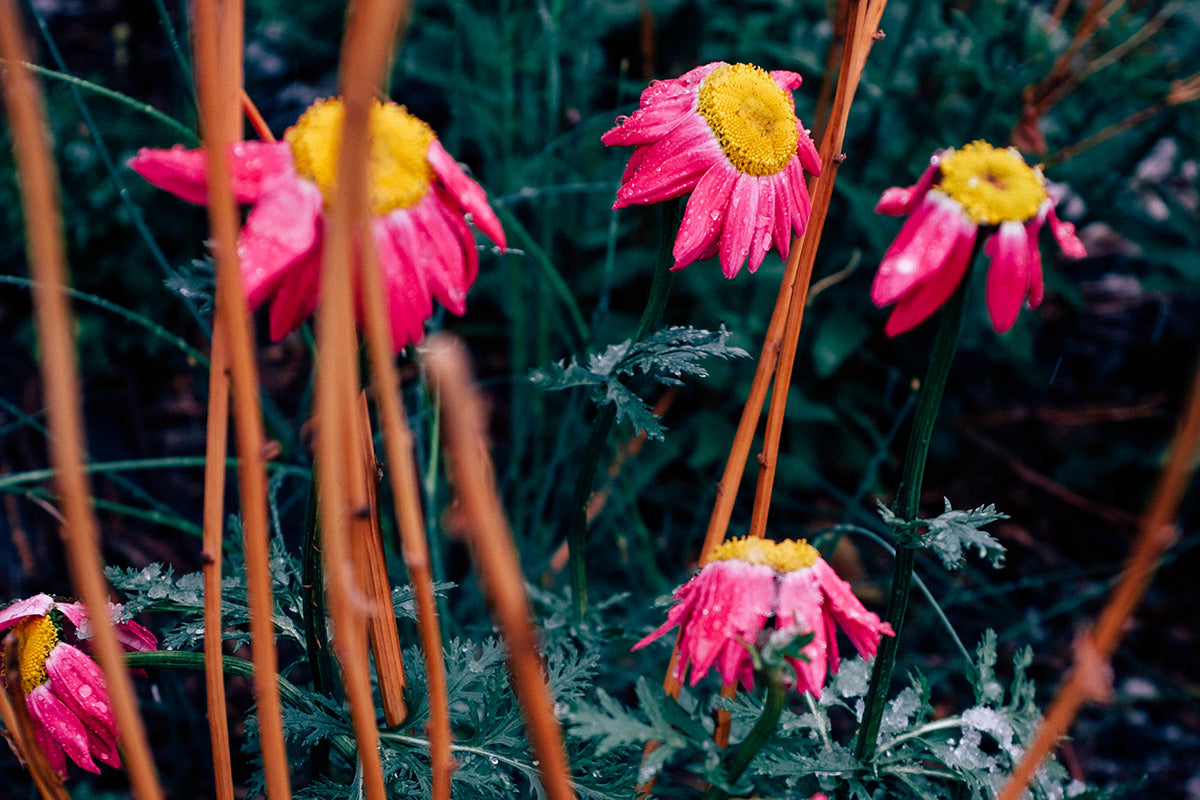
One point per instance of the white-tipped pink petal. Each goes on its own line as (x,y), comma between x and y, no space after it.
(1010,274)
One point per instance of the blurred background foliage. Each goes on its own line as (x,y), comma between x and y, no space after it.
(1060,423)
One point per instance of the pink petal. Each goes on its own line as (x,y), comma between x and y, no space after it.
(1010,274)
(902,200)
(296,294)
(134,637)
(806,149)
(650,123)
(78,682)
(781,233)
(704,216)
(764,223)
(862,626)
(798,199)
(64,730)
(255,163)
(671,167)
(1064,234)
(184,172)
(437,254)
(800,603)
(284,226)
(921,248)
(408,302)
(928,296)
(734,601)
(180,171)
(788,81)
(469,194)
(37,606)
(741,225)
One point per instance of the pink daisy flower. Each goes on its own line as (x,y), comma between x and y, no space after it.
(728,134)
(64,688)
(751,582)
(419,196)
(961,191)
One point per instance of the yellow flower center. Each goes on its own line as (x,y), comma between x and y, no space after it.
(36,637)
(399,172)
(753,119)
(991,184)
(786,556)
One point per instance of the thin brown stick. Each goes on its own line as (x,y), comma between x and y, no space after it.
(861,33)
(256,118)
(370,31)
(495,554)
(833,57)
(402,473)
(1091,674)
(371,569)
(215,72)
(214,535)
(1184,90)
(52,318)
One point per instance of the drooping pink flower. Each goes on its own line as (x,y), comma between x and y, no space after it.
(978,186)
(754,585)
(419,196)
(727,133)
(64,688)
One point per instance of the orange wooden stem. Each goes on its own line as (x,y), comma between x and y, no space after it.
(43,231)
(495,554)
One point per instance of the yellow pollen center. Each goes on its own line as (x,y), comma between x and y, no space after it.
(399,173)
(786,556)
(36,637)
(991,184)
(753,119)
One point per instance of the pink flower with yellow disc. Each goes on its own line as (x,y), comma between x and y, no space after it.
(727,133)
(752,588)
(419,196)
(64,688)
(961,192)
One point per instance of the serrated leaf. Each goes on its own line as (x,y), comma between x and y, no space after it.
(954,531)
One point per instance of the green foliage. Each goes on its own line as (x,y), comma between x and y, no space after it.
(663,357)
(953,532)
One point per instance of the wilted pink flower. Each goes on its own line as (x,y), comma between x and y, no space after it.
(750,582)
(961,191)
(728,134)
(419,196)
(64,688)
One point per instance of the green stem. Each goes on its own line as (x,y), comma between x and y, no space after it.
(656,303)
(232,665)
(762,730)
(312,590)
(908,503)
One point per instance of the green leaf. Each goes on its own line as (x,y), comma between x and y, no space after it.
(954,531)
(664,357)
